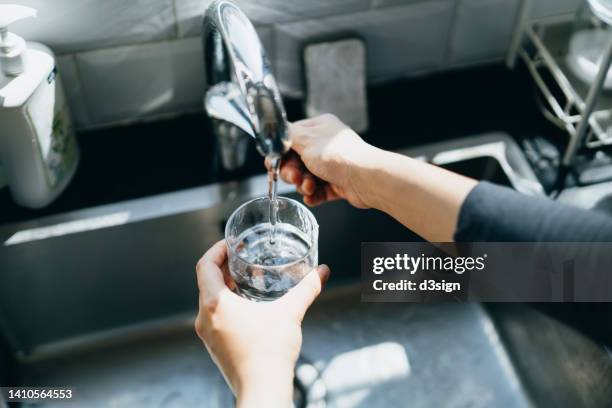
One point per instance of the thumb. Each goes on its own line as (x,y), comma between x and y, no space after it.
(300,297)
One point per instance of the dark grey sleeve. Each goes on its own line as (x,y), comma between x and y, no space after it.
(492,213)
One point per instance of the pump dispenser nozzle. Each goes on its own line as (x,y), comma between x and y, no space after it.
(12,46)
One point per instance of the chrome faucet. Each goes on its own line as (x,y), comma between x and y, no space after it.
(242,97)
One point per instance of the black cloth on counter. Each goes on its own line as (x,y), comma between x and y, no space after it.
(492,213)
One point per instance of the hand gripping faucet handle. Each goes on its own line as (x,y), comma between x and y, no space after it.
(241,87)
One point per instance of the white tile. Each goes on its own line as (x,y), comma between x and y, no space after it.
(189,16)
(73,25)
(542,8)
(189,12)
(74,92)
(188,74)
(312,8)
(391,3)
(399,40)
(131,82)
(482,30)
(266,36)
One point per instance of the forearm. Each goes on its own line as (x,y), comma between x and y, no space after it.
(494,213)
(425,198)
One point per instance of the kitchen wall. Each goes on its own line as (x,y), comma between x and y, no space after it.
(141,59)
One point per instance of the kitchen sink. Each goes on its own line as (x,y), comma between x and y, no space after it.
(604,204)
(103,299)
(558,364)
(88,264)
(368,355)
(597,197)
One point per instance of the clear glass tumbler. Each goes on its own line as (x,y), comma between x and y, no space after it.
(266,261)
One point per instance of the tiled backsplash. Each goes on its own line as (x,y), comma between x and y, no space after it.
(403,39)
(140,59)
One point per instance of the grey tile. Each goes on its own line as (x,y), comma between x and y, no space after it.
(312,8)
(132,82)
(69,25)
(392,3)
(399,40)
(482,30)
(542,8)
(189,12)
(73,90)
(187,74)
(267,38)
(189,15)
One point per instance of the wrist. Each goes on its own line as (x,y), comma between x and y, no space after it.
(268,385)
(365,174)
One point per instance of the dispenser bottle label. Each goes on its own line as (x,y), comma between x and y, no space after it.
(48,113)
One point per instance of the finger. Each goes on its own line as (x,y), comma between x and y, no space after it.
(292,169)
(210,277)
(316,120)
(307,122)
(227,277)
(216,254)
(322,194)
(332,192)
(318,197)
(300,297)
(309,185)
(313,200)
(299,132)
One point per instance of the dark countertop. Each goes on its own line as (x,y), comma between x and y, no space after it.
(151,158)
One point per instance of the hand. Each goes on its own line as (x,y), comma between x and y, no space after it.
(325,156)
(254,344)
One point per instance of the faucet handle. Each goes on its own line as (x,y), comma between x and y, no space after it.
(238,70)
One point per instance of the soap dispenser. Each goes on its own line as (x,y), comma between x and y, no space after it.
(38,150)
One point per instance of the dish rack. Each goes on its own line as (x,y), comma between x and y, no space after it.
(584,111)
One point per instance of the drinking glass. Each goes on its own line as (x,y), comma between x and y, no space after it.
(267,260)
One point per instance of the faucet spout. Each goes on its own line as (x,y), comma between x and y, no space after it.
(224,102)
(242,90)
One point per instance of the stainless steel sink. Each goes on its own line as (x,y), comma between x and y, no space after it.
(597,197)
(132,262)
(558,365)
(369,355)
(103,298)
